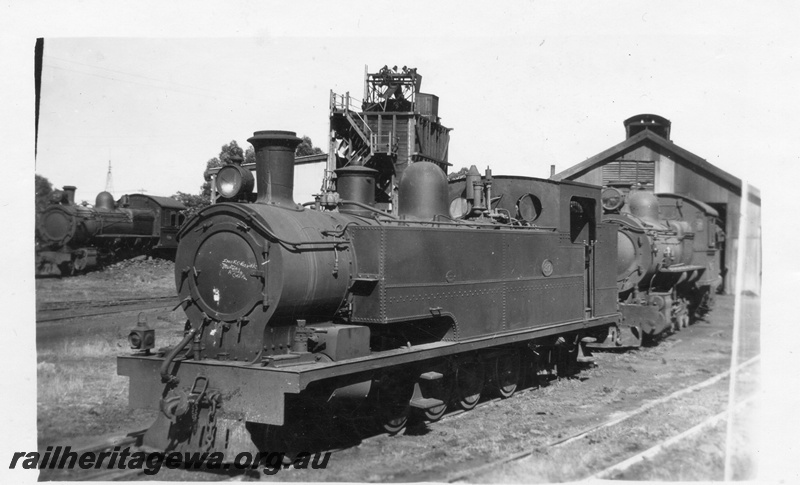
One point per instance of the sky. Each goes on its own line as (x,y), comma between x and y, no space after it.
(522,89)
(157,89)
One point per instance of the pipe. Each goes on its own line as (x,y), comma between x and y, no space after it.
(166,377)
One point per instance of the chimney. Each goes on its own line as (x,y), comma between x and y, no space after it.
(275,166)
(69,191)
(552,170)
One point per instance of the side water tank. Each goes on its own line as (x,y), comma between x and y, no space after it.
(423,192)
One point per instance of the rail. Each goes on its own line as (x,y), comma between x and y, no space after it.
(471,472)
(56,311)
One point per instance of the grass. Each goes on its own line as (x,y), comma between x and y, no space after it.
(79,392)
(77,384)
(702,457)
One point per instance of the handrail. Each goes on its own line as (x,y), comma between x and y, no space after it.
(377,143)
(345,103)
(367,137)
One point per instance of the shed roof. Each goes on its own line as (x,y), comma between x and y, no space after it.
(663,146)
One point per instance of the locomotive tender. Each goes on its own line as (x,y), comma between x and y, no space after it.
(74,238)
(345,306)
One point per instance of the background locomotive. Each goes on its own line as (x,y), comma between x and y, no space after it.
(667,260)
(73,238)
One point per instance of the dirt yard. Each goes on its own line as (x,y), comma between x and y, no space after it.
(127,279)
(80,396)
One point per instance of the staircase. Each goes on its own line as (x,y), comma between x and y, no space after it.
(359,145)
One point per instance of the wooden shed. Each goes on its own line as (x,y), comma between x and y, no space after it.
(647,156)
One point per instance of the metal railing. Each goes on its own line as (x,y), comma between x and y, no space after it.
(344,103)
(383,143)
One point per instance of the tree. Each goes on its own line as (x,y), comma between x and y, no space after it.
(306,148)
(194,203)
(43,191)
(45,195)
(226,152)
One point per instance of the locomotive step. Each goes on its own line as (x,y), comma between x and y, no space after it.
(426,403)
(431,376)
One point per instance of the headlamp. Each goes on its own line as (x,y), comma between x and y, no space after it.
(233,181)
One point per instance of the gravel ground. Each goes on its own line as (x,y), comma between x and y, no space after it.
(619,383)
(132,278)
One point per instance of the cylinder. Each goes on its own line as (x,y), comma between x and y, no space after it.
(356,184)
(275,166)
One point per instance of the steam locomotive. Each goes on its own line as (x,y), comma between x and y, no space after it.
(72,237)
(354,305)
(668,266)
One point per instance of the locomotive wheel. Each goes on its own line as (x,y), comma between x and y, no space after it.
(395,420)
(507,372)
(443,391)
(469,384)
(394,396)
(436,413)
(567,357)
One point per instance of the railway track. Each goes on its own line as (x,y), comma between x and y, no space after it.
(106,474)
(132,439)
(610,472)
(368,447)
(65,310)
(464,474)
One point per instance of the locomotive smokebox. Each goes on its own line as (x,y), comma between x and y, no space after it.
(423,192)
(275,166)
(356,184)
